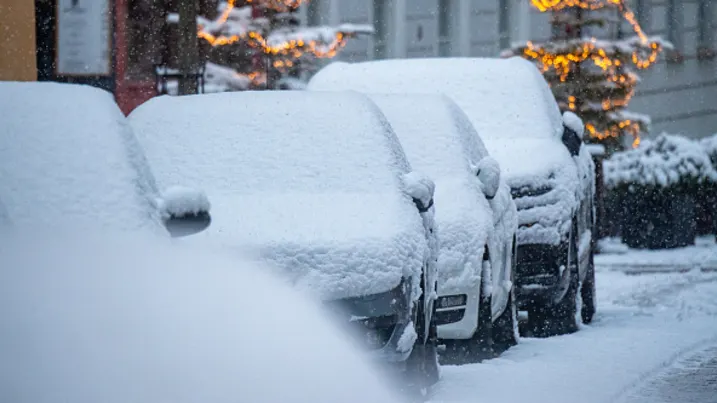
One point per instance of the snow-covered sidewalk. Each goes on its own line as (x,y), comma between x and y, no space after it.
(646,324)
(703,256)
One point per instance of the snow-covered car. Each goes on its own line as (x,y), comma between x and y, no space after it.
(476,219)
(543,159)
(68,159)
(317,184)
(119,319)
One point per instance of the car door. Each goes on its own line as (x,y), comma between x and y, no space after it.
(500,242)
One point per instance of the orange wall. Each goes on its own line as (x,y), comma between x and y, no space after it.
(17,42)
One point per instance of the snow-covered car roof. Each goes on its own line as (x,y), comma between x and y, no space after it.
(440,142)
(147,321)
(483,87)
(507,100)
(312,179)
(68,159)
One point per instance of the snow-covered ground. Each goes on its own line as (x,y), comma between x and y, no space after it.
(654,339)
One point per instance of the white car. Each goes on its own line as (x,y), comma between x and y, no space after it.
(476,218)
(549,170)
(318,185)
(118,319)
(69,160)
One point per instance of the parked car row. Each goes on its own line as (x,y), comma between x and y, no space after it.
(426,200)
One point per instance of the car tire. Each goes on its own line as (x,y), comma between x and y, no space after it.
(422,365)
(587,292)
(505,328)
(554,318)
(480,346)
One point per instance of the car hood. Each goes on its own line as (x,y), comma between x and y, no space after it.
(334,245)
(529,160)
(545,184)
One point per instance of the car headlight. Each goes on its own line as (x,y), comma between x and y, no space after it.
(451,301)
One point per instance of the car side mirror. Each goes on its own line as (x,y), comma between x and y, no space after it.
(573,132)
(184,211)
(420,188)
(488,173)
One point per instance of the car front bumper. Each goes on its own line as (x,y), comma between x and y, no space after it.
(539,272)
(461,321)
(380,320)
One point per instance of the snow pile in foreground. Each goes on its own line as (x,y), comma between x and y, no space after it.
(666,161)
(69,159)
(129,321)
(441,143)
(316,187)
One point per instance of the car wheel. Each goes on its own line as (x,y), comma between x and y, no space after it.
(557,317)
(505,328)
(587,292)
(422,365)
(480,346)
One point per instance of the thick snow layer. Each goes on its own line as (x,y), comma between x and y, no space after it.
(644,325)
(507,101)
(667,160)
(179,201)
(312,180)
(484,88)
(69,159)
(441,143)
(145,322)
(511,107)
(547,201)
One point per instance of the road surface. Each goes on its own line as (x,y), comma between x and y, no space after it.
(654,340)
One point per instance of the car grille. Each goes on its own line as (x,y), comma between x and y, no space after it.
(450,316)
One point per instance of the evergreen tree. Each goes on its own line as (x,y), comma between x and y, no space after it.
(594,78)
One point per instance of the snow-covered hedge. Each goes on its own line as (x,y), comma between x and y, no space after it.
(669,161)
(709,144)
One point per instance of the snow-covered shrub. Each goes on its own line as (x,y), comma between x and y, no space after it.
(709,145)
(658,184)
(669,161)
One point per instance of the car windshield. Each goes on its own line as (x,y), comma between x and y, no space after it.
(313,145)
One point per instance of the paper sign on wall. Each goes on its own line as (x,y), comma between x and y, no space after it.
(84,32)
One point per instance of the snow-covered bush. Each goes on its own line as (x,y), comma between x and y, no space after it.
(709,145)
(669,161)
(658,184)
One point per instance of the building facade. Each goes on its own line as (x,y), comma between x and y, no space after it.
(679,92)
(17,47)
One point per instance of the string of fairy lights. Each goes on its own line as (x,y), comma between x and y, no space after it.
(284,53)
(563,61)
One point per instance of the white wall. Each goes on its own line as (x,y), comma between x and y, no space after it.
(680,97)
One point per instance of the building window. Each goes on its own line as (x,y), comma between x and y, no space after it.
(381,28)
(445,30)
(706,28)
(675,20)
(504,24)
